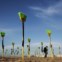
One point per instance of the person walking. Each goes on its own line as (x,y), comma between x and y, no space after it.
(45,51)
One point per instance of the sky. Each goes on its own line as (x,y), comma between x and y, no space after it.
(41,15)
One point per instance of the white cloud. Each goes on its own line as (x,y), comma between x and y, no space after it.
(5,30)
(48,14)
(9,30)
(54,43)
(51,10)
(36,8)
(10,46)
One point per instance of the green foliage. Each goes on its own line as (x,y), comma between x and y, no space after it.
(29,39)
(22,16)
(41,43)
(13,43)
(2,34)
(48,32)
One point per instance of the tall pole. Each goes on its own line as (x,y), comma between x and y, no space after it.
(23,41)
(59,52)
(29,47)
(38,51)
(41,46)
(29,50)
(22,17)
(50,46)
(51,49)
(2,46)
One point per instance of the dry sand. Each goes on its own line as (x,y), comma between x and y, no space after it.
(32,59)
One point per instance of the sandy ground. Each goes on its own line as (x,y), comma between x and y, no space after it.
(32,59)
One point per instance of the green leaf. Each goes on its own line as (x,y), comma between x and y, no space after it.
(22,16)
(29,39)
(2,34)
(48,31)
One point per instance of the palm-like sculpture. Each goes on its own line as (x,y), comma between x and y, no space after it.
(6,51)
(42,46)
(22,17)
(59,51)
(49,35)
(2,35)
(13,46)
(11,51)
(29,47)
(39,51)
(17,50)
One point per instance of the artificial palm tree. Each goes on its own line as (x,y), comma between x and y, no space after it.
(17,50)
(42,46)
(6,51)
(29,47)
(59,51)
(11,51)
(2,35)
(22,17)
(39,51)
(51,49)
(28,50)
(13,46)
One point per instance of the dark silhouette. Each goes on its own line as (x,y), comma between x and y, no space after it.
(46,51)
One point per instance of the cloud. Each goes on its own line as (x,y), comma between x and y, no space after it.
(50,15)
(54,43)
(9,30)
(5,30)
(10,46)
(36,8)
(49,11)
(15,46)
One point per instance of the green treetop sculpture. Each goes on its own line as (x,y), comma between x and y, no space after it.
(49,32)
(2,34)
(29,47)
(22,17)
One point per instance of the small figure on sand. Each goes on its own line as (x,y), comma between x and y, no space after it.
(45,51)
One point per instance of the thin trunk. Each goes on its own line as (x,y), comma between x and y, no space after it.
(22,41)
(51,49)
(13,49)
(59,52)
(29,50)
(2,46)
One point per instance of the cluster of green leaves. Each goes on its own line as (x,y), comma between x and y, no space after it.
(2,34)
(22,16)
